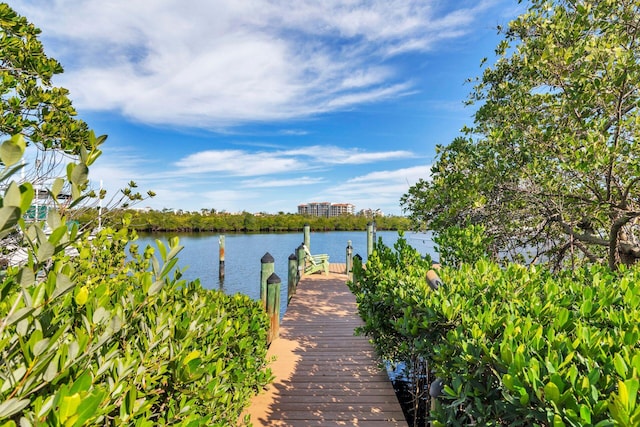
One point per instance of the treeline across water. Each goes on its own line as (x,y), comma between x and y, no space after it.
(168,220)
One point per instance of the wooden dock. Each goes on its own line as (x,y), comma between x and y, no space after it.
(325,375)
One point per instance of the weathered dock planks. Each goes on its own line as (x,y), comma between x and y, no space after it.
(325,376)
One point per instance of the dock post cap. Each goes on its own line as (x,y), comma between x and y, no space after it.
(267,258)
(273,279)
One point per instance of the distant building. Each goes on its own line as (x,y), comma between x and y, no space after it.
(338,209)
(371,213)
(326,209)
(42,203)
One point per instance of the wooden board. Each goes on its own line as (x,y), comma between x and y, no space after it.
(325,375)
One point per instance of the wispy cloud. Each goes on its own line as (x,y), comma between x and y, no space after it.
(379,188)
(275,183)
(261,163)
(238,163)
(220,63)
(294,132)
(407,175)
(337,155)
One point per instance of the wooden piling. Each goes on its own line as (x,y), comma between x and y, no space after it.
(221,257)
(266,269)
(349,259)
(374,230)
(301,261)
(273,305)
(292,278)
(307,236)
(369,239)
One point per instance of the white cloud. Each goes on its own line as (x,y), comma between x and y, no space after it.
(275,183)
(337,155)
(215,185)
(238,163)
(408,175)
(219,63)
(380,189)
(294,132)
(261,163)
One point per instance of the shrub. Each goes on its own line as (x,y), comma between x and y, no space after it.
(102,340)
(457,245)
(514,345)
(89,335)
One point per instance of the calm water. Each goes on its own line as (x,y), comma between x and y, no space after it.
(244,251)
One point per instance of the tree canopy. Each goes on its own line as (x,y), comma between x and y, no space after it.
(551,164)
(30,104)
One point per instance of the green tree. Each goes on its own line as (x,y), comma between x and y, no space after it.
(31,106)
(552,162)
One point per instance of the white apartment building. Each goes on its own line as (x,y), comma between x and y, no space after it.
(326,209)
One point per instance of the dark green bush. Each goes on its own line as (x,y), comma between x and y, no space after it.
(514,345)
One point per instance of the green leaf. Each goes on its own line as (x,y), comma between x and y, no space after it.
(79,174)
(623,394)
(557,421)
(40,347)
(26,196)
(175,249)
(45,251)
(52,369)
(585,413)
(88,408)
(63,285)
(57,234)
(552,392)
(101,315)
(76,193)
(12,196)
(562,318)
(12,150)
(632,386)
(26,277)
(620,365)
(69,406)
(81,384)
(155,287)
(54,220)
(163,250)
(19,315)
(12,406)
(56,188)
(508,382)
(82,296)
(9,217)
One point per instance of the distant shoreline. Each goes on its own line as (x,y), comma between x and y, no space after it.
(196,222)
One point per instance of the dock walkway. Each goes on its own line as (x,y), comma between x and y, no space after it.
(325,376)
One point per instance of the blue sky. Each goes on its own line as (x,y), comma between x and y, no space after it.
(261,105)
